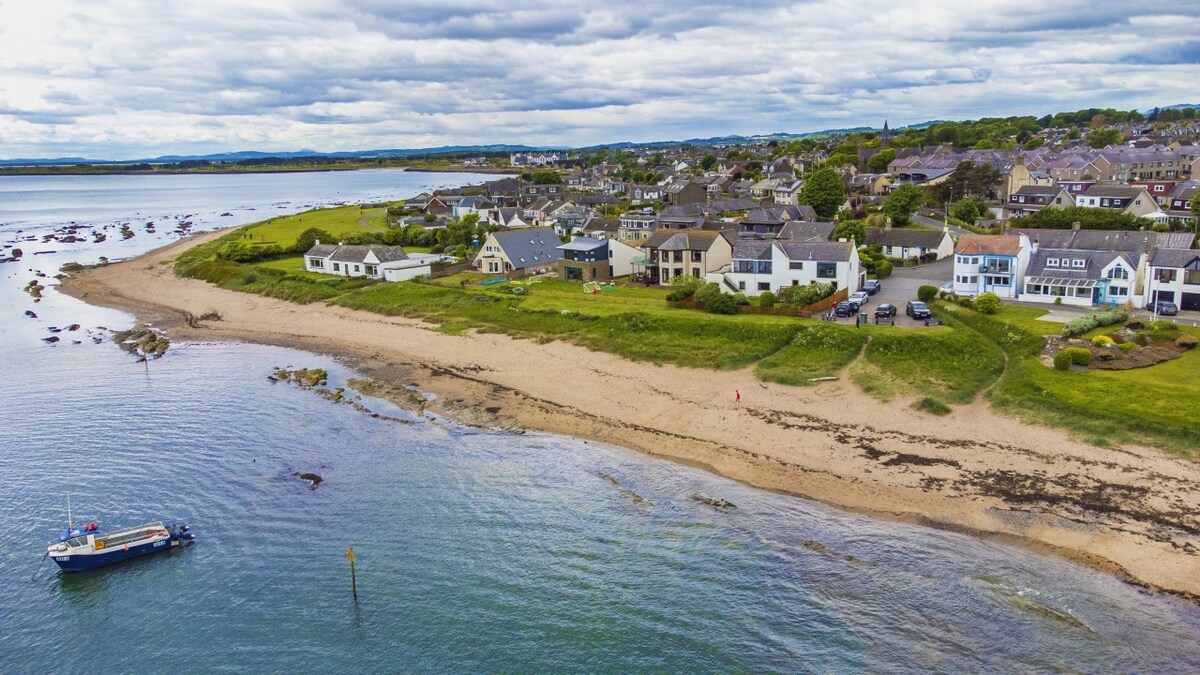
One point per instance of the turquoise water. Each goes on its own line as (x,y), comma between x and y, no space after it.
(477,551)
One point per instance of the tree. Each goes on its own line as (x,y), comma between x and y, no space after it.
(708,162)
(1104,137)
(824,192)
(967,210)
(880,160)
(1196,207)
(308,238)
(1088,218)
(851,229)
(903,202)
(721,304)
(927,293)
(545,177)
(1033,143)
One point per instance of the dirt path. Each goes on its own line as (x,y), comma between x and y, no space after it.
(362,222)
(1131,511)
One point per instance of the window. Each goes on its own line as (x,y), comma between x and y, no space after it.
(337,267)
(371,270)
(1051,262)
(764,286)
(1083,292)
(1118,291)
(826,270)
(743,266)
(795,265)
(1077,262)
(1118,273)
(316,262)
(1034,289)
(795,282)
(741,285)
(996,281)
(696,256)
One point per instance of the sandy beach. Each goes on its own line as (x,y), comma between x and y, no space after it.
(1129,511)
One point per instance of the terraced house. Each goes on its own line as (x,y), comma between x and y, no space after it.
(990,264)
(759,266)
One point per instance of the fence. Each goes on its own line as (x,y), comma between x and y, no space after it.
(821,306)
(438,270)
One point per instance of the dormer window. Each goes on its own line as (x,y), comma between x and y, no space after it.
(1077,263)
(1051,262)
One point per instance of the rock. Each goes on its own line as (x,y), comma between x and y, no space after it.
(29,313)
(73,327)
(312,478)
(52,339)
(814,545)
(713,501)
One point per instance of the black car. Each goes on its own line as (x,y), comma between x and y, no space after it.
(917,309)
(845,308)
(872,286)
(885,311)
(1163,307)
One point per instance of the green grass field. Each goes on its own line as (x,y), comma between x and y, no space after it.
(952,364)
(336,221)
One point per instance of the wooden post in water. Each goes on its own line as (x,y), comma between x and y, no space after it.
(353,581)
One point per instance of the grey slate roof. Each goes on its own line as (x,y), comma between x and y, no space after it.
(1095,262)
(1174,257)
(827,251)
(529,247)
(905,238)
(356,253)
(804,230)
(583,244)
(1092,240)
(683,240)
(752,249)
(322,250)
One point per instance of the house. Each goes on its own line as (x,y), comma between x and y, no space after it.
(990,264)
(569,219)
(1174,276)
(635,227)
(533,250)
(758,265)
(1134,200)
(376,261)
(473,204)
(1033,198)
(600,228)
(1179,202)
(508,216)
(645,193)
(672,253)
(787,192)
(591,259)
(769,222)
(919,244)
(530,192)
(686,192)
(1091,267)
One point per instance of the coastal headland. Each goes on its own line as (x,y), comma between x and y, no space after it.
(1128,510)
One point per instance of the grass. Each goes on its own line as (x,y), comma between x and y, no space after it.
(336,221)
(816,351)
(873,381)
(932,406)
(947,363)
(293,264)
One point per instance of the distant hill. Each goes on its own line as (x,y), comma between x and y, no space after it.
(1177,106)
(255,154)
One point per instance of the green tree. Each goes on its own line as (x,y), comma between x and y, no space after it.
(851,229)
(1033,143)
(545,177)
(927,293)
(1196,207)
(1088,218)
(880,160)
(824,192)
(308,238)
(903,202)
(1104,137)
(708,162)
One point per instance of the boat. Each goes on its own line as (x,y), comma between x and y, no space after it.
(84,548)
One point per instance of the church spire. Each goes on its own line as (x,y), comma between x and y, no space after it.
(885,137)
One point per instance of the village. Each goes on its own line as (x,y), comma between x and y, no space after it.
(1051,220)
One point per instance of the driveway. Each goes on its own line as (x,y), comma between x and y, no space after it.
(902,285)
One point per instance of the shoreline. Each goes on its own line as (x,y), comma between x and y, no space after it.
(325,169)
(1124,511)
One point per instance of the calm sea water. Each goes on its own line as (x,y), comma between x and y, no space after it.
(476,551)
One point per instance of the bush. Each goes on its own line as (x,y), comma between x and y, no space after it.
(1091,321)
(927,293)
(1187,341)
(721,304)
(1141,339)
(1102,341)
(707,293)
(740,299)
(883,270)
(308,238)
(1070,356)
(683,287)
(1062,361)
(1126,346)
(1163,326)
(803,296)
(987,303)
(766,299)
(932,405)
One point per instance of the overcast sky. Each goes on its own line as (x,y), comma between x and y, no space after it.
(135,78)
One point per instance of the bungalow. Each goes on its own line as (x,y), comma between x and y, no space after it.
(990,264)
(645,193)
(758,266)
(1033,198)
(389,263)
(1129,199)
(672,253)
(920,244)
(589,259)
(533,250)
(600,228)
(507,216)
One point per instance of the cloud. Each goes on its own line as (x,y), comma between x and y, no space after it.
(125,78)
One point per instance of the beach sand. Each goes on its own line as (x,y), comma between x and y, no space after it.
(1129,511)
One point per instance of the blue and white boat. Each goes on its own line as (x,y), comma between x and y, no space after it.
(84,548)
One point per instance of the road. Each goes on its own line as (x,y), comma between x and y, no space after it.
(930,222)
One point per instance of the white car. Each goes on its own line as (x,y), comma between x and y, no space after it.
(860,298)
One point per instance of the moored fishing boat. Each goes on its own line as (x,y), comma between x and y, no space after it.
(84,548)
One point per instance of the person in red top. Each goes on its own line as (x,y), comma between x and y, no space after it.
(737,396)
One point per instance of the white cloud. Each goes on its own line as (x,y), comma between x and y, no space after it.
(125,78)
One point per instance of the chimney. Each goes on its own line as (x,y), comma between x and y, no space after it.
(316,242)
(888,225)
(1034,247)
(1075,226)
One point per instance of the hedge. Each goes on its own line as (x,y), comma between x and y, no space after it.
(1090,321)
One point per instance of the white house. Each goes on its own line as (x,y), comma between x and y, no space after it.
(990,264)
(389,263)
(1129,199)
(1174,276)
(760,265)
(912,243)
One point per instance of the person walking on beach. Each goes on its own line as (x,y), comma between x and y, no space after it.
(737,396)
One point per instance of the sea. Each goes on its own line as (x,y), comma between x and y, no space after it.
(476,550)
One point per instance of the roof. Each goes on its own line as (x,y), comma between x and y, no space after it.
(905,238)
(1175,257)
(583,244)
(1114,191)
(1093,240)
(800,230)
(1094,263)
(322,250)
(529,247)
(995,244)
(1048,190)
(817,250)
(683,240)
(357,253)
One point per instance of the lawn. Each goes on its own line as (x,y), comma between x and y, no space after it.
(293,264)
(336,221)
(951,364)
(817,351)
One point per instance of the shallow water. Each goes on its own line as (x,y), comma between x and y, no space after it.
(476,551)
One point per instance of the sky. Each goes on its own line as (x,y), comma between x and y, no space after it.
(124,79)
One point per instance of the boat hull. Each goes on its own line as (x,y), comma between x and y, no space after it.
(90,561)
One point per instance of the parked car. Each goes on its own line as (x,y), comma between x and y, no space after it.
(872,286)
(917,310)
(1164,307)
(844,308)
(860,298)
(885,311)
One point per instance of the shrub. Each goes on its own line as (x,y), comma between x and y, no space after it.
(803,296)
(766,299)
(1141,339)
(683,287)
(707,293)
(1079,356)
(1062,361)
(721,304)
(883,270)
(1126,346)
(1187,341)
(1163,326)
(740,299)
(927,293)
(932,405)
(988,303)
(1088,322)
(1058,301)
(1102,341)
